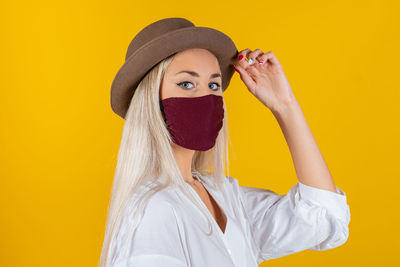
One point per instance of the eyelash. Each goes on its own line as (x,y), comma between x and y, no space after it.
(179,84)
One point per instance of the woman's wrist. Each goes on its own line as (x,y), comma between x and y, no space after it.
(287,109)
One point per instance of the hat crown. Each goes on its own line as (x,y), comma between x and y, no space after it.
(154,30)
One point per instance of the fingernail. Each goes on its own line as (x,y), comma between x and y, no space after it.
(240,57)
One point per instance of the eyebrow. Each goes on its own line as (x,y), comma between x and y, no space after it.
(195,74)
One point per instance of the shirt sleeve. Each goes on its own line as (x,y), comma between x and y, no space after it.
(305,218)
(156,240)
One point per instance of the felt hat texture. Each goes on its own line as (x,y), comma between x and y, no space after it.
(158,41)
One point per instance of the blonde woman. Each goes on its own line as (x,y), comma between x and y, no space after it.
(171,202)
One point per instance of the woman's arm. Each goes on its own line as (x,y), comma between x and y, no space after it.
(309,163)
(265,79)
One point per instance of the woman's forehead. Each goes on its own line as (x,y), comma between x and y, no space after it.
(198,60)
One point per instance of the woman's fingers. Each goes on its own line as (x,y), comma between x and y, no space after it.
(250,55)
(266,81)
(271,59)
(246,78)
(242,58)
(250,65)
(257,64)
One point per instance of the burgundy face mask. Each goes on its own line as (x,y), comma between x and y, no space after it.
(194,122)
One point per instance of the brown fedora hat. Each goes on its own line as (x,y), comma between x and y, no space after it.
(158,41)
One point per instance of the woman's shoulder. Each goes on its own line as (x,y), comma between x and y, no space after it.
(156,225)
(233,183)
(232,180)
(150,207)
(157,198)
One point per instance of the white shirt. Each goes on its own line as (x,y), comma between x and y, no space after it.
(261,225)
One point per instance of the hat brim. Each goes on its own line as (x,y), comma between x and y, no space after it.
(146,57)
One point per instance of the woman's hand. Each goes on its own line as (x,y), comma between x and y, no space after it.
(264,77)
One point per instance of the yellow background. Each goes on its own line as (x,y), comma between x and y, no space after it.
(60,138)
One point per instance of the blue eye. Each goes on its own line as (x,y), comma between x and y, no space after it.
(179,84)
(218,86)
(182,84)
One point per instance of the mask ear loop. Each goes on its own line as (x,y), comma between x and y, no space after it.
(162,111)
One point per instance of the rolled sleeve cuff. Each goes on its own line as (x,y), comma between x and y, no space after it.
(335,203)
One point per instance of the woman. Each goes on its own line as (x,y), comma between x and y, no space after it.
(171,203)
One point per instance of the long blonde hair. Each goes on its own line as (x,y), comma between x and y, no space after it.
(146,157)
